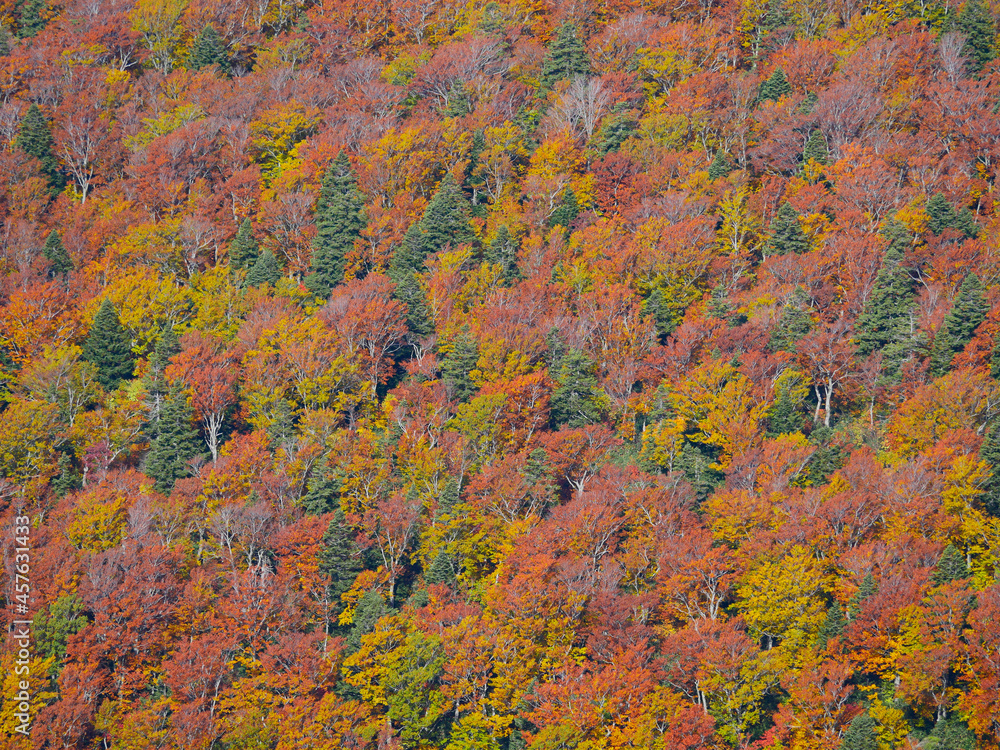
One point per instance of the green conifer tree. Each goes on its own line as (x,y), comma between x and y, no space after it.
(960,324)
(55,253)
(951,566)
(833,625)
(860,735)
(445,221)
(340,556)
(502,251)
(976,22)
(868,588)
(157,387)
(176,442)
(68,478)
(109,348)
(965,222)
(441,570)
(575,399)
(940,214)
(566,212)
(266,270)
(4,40)
(885,323)
(794,323)
(775,87)
(35,139)
(322,494)
(665,317)
(786,235)
(370,608)
(410,293)
(990,453)
(53,625)
(786,415)
(459,362)
(244,250)
(815,148)
(209,49)
(340,218)
(950,733)
(32,18)
(719,167)
(565,58)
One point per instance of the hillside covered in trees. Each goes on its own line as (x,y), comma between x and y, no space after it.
(502,375)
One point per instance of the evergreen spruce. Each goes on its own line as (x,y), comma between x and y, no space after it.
(951,733)
(32,18)
(775,87)
(940,214)
(965,223)
(990,453)
(786,233)
(815,149)
(157,388)
(340,556)
(950,567)
(566,57)
(244,250)
(340,217)
(885,323)
(265,271)
(807,106)
(4,40)
(566,212)
(68,478)
(441,570)
(615,130)
(860,735)
(502,251)
(370,608)
(976,23)
(828,457)
(960,324)
(720,166)
(410,293)
(55,253)
(53,625)
(833,625)
(109,348)
(35,139)
(209,49)
(575,398)
(459,362)
(176,442)
(786,415)
(445,221)
(867,589)
(794,323)
(322,495)
(664,316)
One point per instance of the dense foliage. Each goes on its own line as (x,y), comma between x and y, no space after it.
(488,376)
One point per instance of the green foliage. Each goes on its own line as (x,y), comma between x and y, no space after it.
(340,217)
(885,323)
(960,324)
(459,362)
(664,315)
(868,588)
(176,441)
(951,566)
(575,399)
(340,557)
(370,608)
(566,212)
(565,58)
(860,735)
(976,23)
(786,415)
(815,148)
(940,213)
(35,139)
(502,251)
(209,49)
(32,17)
(615,130)
(322,494)
(951,733)
(53,625)
(720,166)
(832,627)
(786,235)
(990,453)
(244,250)
(68,478)
(775,87)
(442,569)
(109,348)
(794,323)
(55,253)
(266,270)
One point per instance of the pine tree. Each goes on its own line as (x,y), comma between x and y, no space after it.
(35,139)
(965,222)
(575,398)
(940,214)
(566,212)
(459,362)
(786,415)
(410,293)
(4,40)
(960,324)
(370,608)
(719,167)
(244,250)
(502,251)
(322,494)
(68,478)
(815,149)
(109,348)
(55,253)
(445,221)
(884,324)
(950,567)
(566,57)
(209,49)
(860,735)
(775,87)
(265,271)
(868,588)
(794,323)
(176,442)
(786,233)
(340,556)
(976,23)
(32,18)
(664,316)
(441,570)
(990,453)
(340,217)
(833,625)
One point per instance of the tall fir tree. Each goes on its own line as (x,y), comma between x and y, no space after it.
(885,323)
(665,316)
(176,441)
(32,18)
(990,453)
(575,399)
(157,387)
(775,87)
(244,250)
(55,253)
(502,251)
(976,23)
(951,566)
(566,212)
(565,58)
(340,556)
(816,149)
(940,214)
(960,324)
(720,166)
(459,362)
(266,270)
(109,348)
(340,218)
(794,323)
(867,589)
(35,139)
(786,235)
(832,627)
(860,735)
(209,48)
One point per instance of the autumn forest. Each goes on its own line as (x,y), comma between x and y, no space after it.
(529,374)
